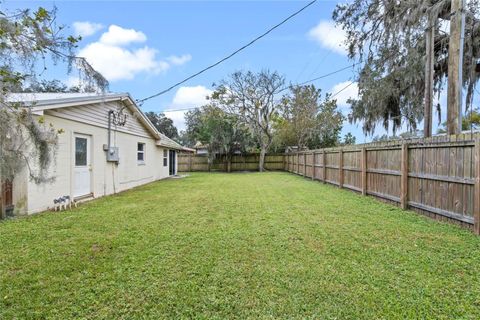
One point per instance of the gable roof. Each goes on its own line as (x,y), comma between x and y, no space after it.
(45,101)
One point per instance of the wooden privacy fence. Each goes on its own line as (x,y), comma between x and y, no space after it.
(247,162)
(435,177)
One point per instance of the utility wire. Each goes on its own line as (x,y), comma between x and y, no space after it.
(320,63)
(317,78)
(298,84)
(230,55)
(341,90)
(285,88)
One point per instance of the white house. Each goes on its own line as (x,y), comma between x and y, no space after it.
(108,146)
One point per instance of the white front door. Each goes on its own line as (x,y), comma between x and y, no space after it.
(82,171)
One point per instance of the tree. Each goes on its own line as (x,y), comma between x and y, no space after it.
(192,124)
(251,97)
(349,139)
(221,132)
(383,137)
(471,121)
(163,124)
(55,86)
(387,40)
(300,108)
(308,121)
(330,122)
(26,140)
(47,86)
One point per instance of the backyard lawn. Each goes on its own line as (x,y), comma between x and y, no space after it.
(271,245)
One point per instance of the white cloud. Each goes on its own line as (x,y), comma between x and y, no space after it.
(179,60)
(86,28)
(350,92)
(178,118)
(112,57)
(118,36)
(116,63)
(329,36)
(186,97)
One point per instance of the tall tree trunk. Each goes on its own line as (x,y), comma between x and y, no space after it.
(261,163)
(455,64)
(429,73)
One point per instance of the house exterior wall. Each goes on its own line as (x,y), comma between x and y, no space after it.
(106,177)
(20,193)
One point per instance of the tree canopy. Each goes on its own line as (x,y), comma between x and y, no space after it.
(55,86)
(220,132)
(471,121)
(163,124)
(27,37)
(305,120)
(252,97)
(387,40)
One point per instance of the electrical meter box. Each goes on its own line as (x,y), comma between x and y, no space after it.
(112,154)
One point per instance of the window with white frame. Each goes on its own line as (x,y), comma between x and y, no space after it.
(141,153)
(165,157)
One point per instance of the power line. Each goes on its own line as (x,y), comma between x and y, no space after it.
(320,62)
(303,83)
(230,55)
(307,64)
(317,78)
(287,87)
(341,90)
(333,95)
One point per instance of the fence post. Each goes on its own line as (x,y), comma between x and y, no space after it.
(298,162)
(404,177)
(304,164)
(364,171)
(313,164)
(190,162)
(476,200)
(324,167)
(340,168)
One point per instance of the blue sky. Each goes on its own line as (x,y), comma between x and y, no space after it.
(143,47)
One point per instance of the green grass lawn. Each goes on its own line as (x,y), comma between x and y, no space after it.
(270,245)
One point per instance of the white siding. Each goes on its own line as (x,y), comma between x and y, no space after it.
(107,177)
(20,196)
(97,115)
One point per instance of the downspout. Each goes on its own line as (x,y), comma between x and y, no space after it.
(110,112)
(109,143)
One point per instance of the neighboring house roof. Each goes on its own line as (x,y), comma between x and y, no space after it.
(45,101)
(294,149)
(199,145)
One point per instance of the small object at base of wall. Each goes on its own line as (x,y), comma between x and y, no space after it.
(63,202)
(9,211)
